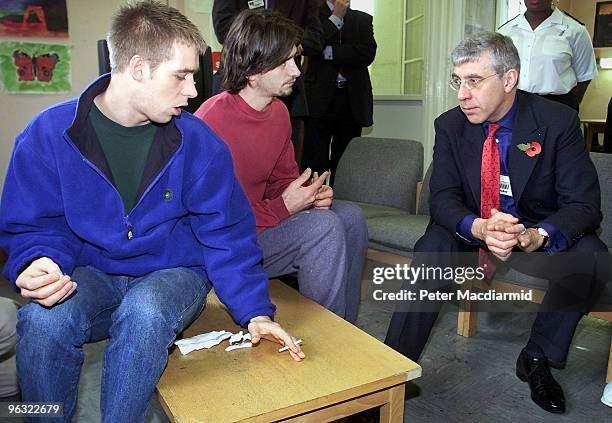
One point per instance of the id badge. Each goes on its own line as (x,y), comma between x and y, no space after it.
(504,185)
(256,4)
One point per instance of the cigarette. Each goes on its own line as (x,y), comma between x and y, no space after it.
(298,342)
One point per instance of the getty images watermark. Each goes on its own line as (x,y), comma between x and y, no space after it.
(437,278)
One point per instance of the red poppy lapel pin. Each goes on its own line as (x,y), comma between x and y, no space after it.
(532,148)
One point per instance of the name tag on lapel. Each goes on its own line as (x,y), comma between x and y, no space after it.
(256,4)
(504,185)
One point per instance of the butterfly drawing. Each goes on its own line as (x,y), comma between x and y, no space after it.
(36,67)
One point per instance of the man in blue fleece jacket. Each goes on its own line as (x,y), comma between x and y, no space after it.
(119,213)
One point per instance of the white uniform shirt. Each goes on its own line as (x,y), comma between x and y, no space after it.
(554,57)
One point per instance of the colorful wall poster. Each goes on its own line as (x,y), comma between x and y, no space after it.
(33,18)
(34,67)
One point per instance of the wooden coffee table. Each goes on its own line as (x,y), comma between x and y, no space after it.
(346,371)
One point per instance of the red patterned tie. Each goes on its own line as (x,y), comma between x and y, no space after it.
(489,190)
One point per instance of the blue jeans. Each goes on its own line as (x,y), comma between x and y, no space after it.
(142,316)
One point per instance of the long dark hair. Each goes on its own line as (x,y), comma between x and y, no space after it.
(257,41)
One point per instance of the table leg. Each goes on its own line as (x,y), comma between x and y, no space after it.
(393,411)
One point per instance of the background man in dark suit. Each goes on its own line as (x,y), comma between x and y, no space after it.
(545,197)
(305,14)
(338,85)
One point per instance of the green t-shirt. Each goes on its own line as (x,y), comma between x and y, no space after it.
(126,150)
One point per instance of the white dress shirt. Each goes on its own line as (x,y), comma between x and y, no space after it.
(555,56)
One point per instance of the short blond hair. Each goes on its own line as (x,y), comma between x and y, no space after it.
(149,29)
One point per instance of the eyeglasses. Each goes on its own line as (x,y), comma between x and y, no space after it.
(469,83)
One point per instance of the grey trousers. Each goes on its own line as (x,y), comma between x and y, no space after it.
(8,340)
(327,248)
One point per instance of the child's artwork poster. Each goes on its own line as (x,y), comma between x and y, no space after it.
(33,18)
(34,67)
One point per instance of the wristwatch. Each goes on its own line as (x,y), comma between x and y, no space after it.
(545,237)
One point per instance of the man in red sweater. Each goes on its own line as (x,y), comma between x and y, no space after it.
(298,228)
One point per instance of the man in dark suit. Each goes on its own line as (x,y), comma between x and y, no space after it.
(512,178)
(338,84)
(303,13)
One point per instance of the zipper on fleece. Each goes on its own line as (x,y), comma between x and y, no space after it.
(126,217)
(130,228)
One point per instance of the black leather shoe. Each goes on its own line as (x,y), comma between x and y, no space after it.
(545,390)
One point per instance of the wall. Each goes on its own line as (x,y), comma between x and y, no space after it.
(200,13)
(88,21)
(385,71)
(595,102)
(397,119)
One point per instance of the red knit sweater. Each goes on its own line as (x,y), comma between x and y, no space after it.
(260,143)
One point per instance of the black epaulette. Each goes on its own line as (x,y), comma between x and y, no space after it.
(565,13)
(508,21)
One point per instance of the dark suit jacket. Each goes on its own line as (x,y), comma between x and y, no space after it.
(558,186)
(354,48)
(302,12)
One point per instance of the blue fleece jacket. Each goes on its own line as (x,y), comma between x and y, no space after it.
(58,203)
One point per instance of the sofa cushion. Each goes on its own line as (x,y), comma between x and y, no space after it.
(380,171)
(374,210)
(400,232)
(603,165)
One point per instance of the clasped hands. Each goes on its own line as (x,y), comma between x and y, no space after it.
(306,191)
(502,232)
(43,282)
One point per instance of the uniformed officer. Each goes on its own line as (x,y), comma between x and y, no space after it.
(557,57)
